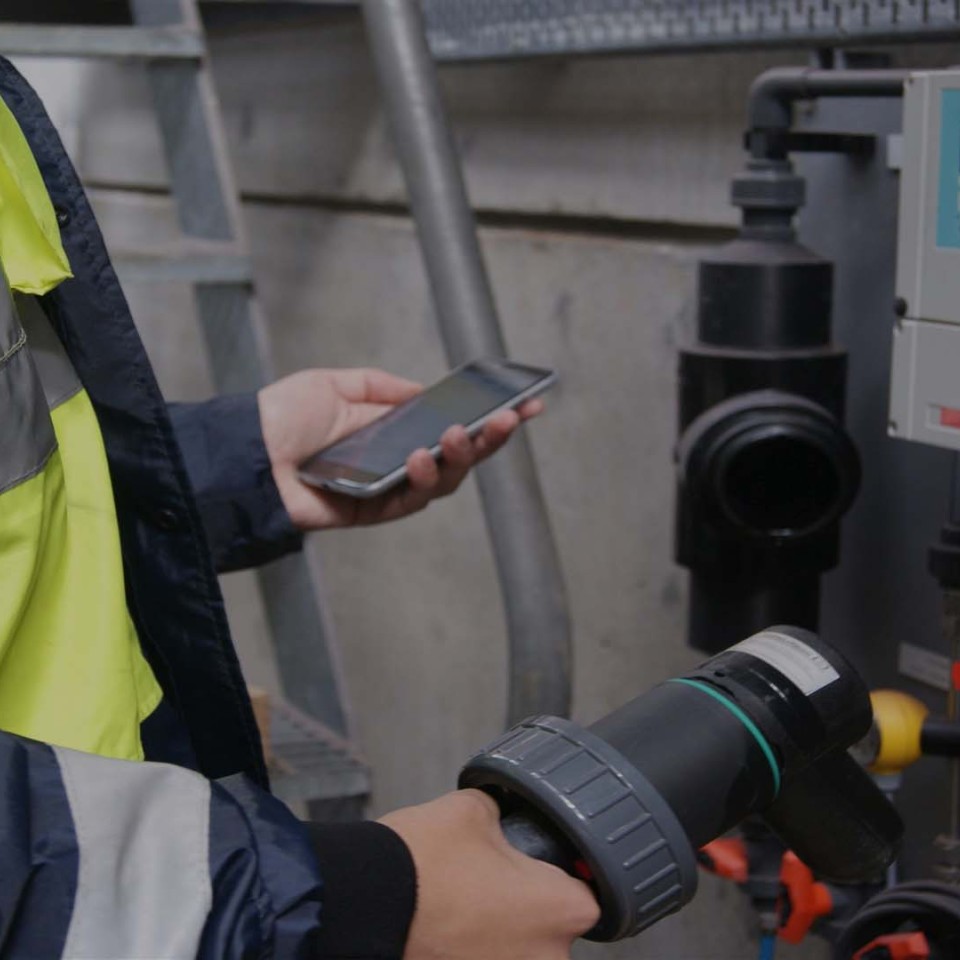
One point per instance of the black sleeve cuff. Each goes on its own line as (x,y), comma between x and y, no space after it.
(369,891)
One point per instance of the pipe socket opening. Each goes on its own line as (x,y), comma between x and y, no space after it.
(769,466)
(780,483)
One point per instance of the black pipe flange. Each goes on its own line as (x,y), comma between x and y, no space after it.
(769,466)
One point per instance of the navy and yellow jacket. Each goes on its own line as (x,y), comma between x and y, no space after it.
(163,840)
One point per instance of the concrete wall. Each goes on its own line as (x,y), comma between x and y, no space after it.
(607,178)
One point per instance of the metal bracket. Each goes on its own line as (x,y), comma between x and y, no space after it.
(783,143)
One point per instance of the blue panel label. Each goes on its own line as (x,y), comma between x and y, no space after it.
(948,202)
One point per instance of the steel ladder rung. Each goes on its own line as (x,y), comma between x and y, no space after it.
(123,43)
(187,260)
(310,761)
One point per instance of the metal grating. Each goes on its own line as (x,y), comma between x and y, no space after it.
(309,762)
(493,29)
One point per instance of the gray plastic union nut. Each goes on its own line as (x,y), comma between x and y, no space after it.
(769,184)
(642,863)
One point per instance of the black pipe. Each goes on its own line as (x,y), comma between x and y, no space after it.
(729,607)
(944,555)
(940,738)
(955,492)
(672,731)
(773,93)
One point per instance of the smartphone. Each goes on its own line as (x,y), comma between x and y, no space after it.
(373,460)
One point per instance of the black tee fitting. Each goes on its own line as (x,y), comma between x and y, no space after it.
(765,467)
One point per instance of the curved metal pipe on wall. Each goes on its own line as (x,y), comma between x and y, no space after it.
(528,566)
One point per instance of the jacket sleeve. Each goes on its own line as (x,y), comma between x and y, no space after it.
(116,859)
(243,516)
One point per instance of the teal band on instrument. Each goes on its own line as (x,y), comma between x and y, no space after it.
(752,728)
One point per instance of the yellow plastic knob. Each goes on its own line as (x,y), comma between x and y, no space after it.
(899,720)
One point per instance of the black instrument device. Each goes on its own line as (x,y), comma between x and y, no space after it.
(762,728)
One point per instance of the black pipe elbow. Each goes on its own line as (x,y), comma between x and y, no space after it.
(772,95)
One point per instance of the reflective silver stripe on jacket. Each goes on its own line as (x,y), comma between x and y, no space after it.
(59,379)
(26,433)
(143,889)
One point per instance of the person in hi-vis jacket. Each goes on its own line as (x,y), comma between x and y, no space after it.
(135,814)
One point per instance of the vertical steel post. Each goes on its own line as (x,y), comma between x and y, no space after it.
(528,566)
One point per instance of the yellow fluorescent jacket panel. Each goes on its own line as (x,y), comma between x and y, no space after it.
(71,670)
(30,248)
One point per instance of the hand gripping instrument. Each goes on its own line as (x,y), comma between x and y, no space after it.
(762,728)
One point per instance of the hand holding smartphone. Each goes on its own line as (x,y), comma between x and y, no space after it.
(372,460)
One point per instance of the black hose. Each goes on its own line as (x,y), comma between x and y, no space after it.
(925,905)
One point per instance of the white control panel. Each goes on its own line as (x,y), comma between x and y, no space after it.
(925,381)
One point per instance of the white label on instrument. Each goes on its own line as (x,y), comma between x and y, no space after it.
(800,664)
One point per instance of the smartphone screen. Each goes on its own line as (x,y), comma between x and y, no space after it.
(467,396)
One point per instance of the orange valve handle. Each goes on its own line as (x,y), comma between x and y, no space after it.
(727,858)
(896,946)
(808,899)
